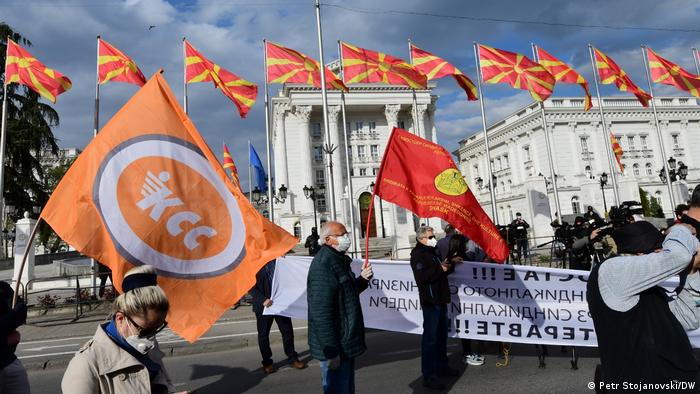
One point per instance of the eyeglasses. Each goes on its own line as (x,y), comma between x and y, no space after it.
(143,333)
(430,237)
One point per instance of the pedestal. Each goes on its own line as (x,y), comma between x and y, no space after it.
(23,229)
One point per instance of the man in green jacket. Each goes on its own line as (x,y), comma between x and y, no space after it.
(336,327)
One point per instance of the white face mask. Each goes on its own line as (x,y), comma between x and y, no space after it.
(142,345)
(343,243)
(432,242)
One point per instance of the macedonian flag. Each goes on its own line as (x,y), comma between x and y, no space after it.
(364,66)
(114,65)
(285,65)
(435,67)
(200,69)
(617,151)
(230,165)
(436,188)
(668,73)
(564,74)
(148,190)
(610,73)
(498,66)
(25,69)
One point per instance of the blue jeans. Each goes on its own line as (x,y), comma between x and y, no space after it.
(340,380)
(434,340)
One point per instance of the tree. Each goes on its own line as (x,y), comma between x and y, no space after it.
(644,197)
(29,135)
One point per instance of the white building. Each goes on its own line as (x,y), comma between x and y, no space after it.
(520,164)
(298,136)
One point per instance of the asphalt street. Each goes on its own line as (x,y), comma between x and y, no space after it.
(391,365)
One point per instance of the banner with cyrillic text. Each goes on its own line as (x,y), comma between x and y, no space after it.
(492,302)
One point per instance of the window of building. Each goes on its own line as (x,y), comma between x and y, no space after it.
(584,144)
(363,172)
(352,172)
(321,202)
(676,141)
(361,151)
(320,177)
(510,186)
(657,197)
(643,142)
(575,205)
(318,154)
(635,169)
(506,163)
(316,130)
(359,126)
(374,151)
(372,127)
(588,172)
(499,164)
(510,213)
(401,215)
(375,170)
(347,126)
(649,169)
(400,124)
(503,187)
(475,171)
(526,153)
(349,153)
(630,142)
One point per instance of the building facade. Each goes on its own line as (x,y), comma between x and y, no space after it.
(521,169)
(298,138)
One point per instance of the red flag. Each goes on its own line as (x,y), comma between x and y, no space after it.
(617,151)
(23,68)
(114,65)
(609,72)
(435,188)
(230,165)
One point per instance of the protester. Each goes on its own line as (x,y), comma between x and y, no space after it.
(639,326)
(443,245)
(104,273)
(430,273)
(261,293)
(312,242)
(693,216)
(123,356)
(591,214)
(519,228)
(681,209)
(13,377)
(336,326)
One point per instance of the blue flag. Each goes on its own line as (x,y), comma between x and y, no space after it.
(259,169)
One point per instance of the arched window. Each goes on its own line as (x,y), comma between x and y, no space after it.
(588,172)
(510,213)
(575,205)
(635,169)
(297,230)
(501,214)
(649,170)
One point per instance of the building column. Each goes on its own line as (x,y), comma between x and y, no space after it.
(280,146)
(338,160)
(303,114)
(431,123)
(420,111)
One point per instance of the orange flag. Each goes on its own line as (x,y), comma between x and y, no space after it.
(200,69)
(23,68)
(517,70)
(148,190)
(668,73)
(564,74)
(364,66)
(285,65)
(114,65)
(610,72)
(230,165)
(617,151)
(435,67)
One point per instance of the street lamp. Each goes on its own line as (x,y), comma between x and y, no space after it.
(381,210)
(480,182)
(675,174)
(603,182)
(313,194)
(260,199)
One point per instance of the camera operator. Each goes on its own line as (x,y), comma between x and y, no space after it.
(519,229)
(640,328)
(579,241)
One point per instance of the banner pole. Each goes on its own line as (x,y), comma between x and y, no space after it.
(695,59)
(606,132)
(96,128)
(548,144)
(184,75)
(662,148)
(268,148)
(491,184)
(250,178)
(3,137)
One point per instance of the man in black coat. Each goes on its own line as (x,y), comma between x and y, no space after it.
(13,376)
(261,293)
(312,242)
(430,273)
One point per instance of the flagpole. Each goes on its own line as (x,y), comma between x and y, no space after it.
(329,148)
(96,128)
(549,148)
(351,195)
(606,138)
(672,199)
(415,100)
(250,178)
(486,136)
(695,59)
(3,137)
(268,148)
(184,75)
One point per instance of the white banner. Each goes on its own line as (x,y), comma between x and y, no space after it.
(490,302)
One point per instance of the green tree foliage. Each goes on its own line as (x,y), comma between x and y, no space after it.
(644,197)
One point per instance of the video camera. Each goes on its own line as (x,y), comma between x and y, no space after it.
(621,215)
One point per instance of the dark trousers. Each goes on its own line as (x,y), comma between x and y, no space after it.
(434,340)
(340,380)
(285,325)
(522,247)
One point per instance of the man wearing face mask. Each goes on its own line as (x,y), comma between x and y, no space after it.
(123,356)
(431,273)
(336,327)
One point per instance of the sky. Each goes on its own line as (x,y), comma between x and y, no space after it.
(230,32)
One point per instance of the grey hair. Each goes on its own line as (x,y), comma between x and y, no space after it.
(138,301)
(325,232)
(422,231)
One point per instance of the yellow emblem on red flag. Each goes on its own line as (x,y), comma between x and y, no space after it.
(517,70)
(230,165)
(23,68)
(435,67)
(668,73)
(148,190)
(564,74)
(610,73)
(200,69)
(364,66)
(114,65)
(285,65)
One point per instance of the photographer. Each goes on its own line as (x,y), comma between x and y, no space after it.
(519,229)
(640,328)
(579,242)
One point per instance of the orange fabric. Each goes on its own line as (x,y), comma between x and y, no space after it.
(230,165)
(285,65)
(564,74)
(148,190)
(617,151)
(435,67)
(362,65)
(610,72)
(669,73)
(517,70)
(23,68)
(114,65)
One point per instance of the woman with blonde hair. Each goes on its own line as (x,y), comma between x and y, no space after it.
(123,356)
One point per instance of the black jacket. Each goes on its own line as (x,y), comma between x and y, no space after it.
(263,286)
(433,287)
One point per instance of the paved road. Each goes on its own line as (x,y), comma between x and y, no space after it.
(391,365)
